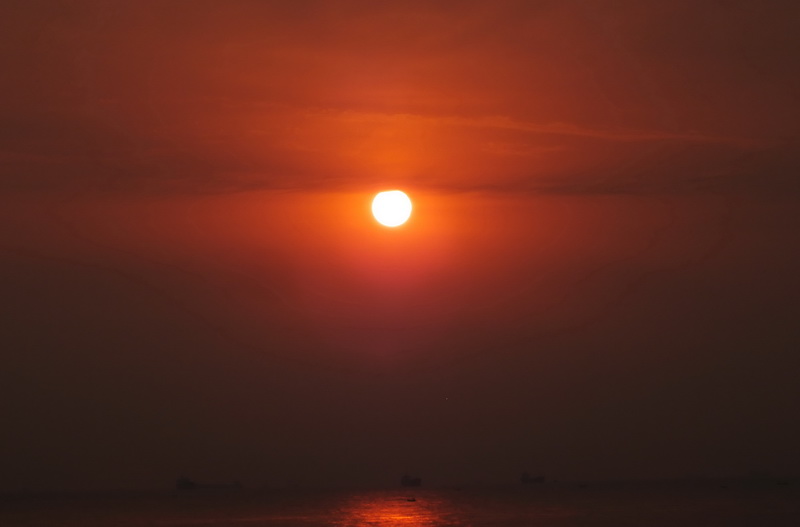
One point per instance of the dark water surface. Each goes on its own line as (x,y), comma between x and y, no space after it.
(542,506)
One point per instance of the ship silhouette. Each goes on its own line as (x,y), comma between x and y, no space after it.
(184,483)
(409,481)
(527,479)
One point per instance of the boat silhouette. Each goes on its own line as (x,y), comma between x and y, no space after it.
(527,479)
(409,481)
(184,483)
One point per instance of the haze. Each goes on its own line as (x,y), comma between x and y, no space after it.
(600,278)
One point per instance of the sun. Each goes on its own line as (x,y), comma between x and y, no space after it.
(391,208)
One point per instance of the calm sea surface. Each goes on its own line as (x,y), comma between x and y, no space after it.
(543,506)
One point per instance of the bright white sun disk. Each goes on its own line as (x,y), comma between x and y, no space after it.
(391,208)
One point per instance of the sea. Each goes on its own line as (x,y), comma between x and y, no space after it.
(705,505)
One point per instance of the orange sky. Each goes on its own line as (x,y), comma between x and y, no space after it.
(518,96)
(598,280)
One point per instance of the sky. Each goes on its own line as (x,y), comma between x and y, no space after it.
(599,279)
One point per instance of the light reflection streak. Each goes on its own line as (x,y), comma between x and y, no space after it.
(381,510)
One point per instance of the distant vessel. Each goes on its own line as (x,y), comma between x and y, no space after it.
(527,479)
(408,481)
(184,483)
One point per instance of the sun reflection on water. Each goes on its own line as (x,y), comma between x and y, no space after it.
(382,510)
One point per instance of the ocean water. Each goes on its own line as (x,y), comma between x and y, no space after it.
(511,507)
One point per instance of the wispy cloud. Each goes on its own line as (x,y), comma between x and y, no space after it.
(550,128)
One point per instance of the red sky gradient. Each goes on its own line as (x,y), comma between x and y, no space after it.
(598,279)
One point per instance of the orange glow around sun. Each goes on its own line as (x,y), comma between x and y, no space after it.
(391,208)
